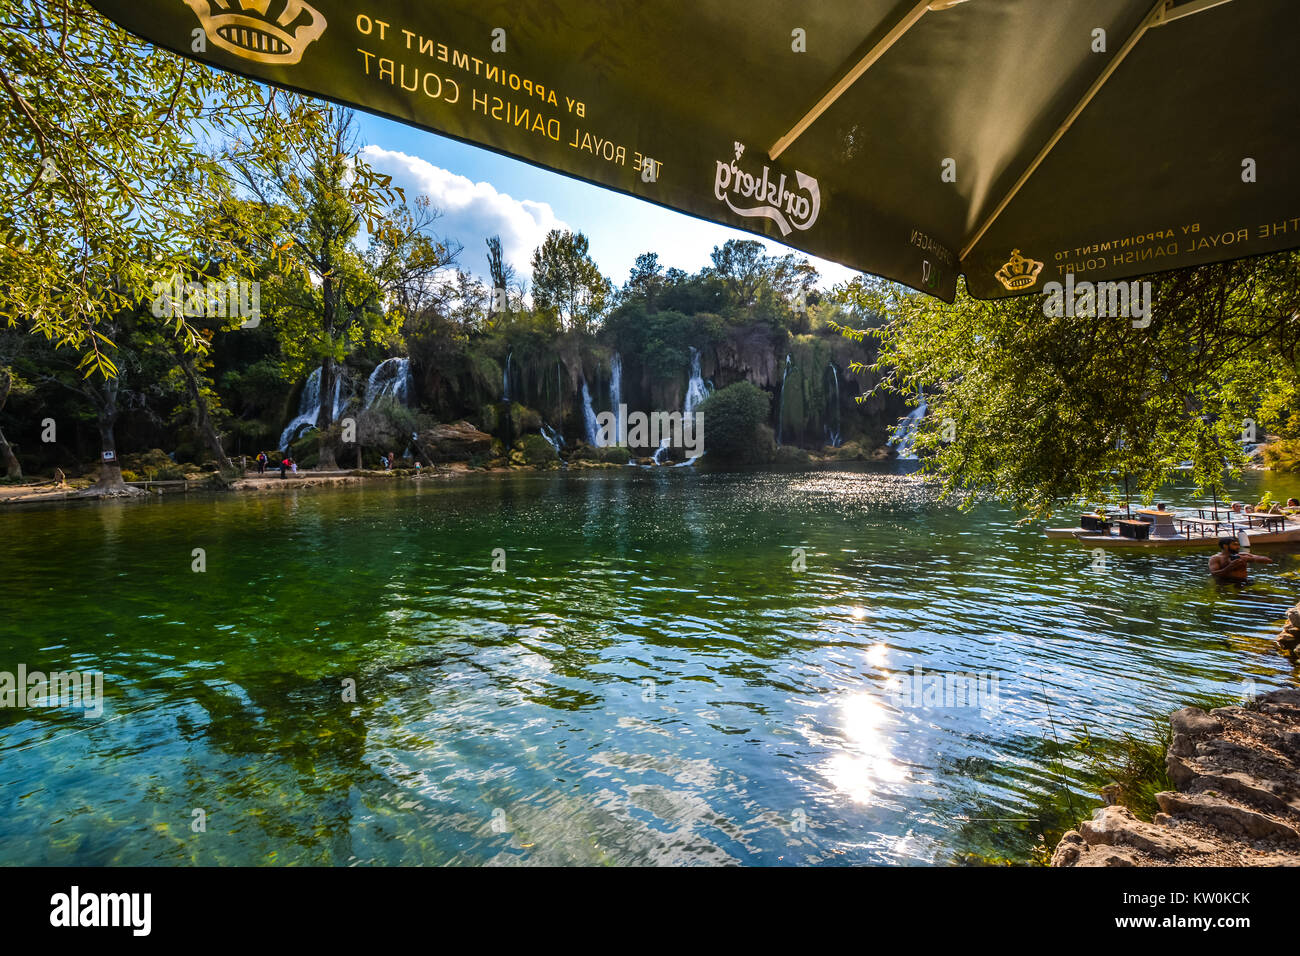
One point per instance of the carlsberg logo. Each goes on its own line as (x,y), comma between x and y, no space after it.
(789,208)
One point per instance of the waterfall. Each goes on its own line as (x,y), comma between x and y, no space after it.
(696,390)
(505,378)
(834,438)
(553,437)
(309,406)
(616,391)
(390,379)
(905,434)
(780,409)
(589,415)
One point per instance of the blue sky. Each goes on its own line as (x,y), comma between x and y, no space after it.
(482,193)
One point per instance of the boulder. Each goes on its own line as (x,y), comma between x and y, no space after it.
(1222,815)
(459,441)
(1181,773)
(1116,826)
(1194,723)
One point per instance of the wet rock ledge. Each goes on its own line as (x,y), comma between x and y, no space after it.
(1237,802)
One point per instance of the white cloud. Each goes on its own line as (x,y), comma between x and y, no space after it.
(471,212)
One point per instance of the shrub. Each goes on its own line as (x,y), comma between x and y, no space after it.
(733,421)
(614,454)
(535,450)
(791,455)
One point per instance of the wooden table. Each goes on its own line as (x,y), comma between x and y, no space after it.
(1162,522)
(1269,522)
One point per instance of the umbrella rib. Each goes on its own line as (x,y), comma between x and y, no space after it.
(1159,13)
(851,76)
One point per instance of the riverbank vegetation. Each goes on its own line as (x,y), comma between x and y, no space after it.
(1045,410)
(198,267)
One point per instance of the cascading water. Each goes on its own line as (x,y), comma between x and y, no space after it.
(589,416)
(391,379)
(309,406)
(696,390)
(616,391)
(905,434)
(780,409)
(833,437)
(553,437)
(505,377)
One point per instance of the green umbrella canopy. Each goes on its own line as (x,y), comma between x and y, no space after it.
(1011,140)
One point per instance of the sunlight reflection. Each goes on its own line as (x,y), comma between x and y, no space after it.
(866,762)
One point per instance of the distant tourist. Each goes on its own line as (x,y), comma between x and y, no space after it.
(1231,563)
(261,462)
(1236,507)
(293,463)
(284,466)
(418,466)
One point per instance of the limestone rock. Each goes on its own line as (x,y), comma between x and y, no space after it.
(1181,773)
(1237,774)
(1116,826)
(460,441)
(1220,814)
(1068,851)
(1194,723)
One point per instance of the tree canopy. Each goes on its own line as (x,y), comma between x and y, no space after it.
(1044,410)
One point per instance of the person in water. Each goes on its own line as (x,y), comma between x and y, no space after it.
(1231,563)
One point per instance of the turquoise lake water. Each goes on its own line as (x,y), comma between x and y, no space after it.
(657,675)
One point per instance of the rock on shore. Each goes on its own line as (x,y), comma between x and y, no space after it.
(1237,802)
(459,441)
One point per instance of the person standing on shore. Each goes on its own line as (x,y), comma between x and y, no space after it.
(261,462)
(1231,563)
(284,466)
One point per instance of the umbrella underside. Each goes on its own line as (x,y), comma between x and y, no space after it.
(1013,141)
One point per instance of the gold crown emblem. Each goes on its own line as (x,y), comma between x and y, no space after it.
(247,28)
(1019,273)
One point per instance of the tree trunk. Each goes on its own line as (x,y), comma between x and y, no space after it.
(202,420)
(7,457)
(110,469)
(325,418)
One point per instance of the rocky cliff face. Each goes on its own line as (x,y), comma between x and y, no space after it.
(1237,800)
(812,393)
